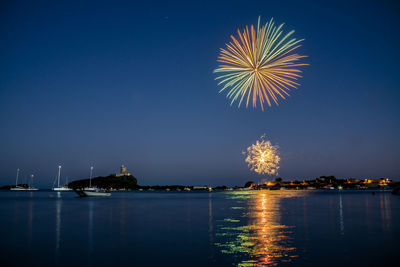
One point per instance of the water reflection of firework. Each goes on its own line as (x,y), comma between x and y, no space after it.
(263,157)
(262,240)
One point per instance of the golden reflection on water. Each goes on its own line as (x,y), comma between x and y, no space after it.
(257,237)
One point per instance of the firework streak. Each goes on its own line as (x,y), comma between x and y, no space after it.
(259,64)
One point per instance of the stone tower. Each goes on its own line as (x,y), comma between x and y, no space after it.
(123,170)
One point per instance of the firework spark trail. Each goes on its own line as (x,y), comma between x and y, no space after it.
(263,157)
(259,64)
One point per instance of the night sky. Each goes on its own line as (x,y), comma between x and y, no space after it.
(105,83)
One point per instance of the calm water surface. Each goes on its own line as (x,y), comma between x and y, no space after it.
(241,228)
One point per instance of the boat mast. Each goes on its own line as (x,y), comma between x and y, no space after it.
(90,178)
(59,170)
(16,179)
(31,180)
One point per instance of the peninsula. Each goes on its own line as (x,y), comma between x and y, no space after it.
(119,181)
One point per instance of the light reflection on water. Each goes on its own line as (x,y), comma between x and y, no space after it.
(90,232)
(386,216)
(58,224)
(237,228)
(257,237)
(341,221)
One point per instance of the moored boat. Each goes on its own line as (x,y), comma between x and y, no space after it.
(20,188)
(23,188)
(92,193)
(63,187)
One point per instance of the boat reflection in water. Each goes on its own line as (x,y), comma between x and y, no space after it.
(256,237)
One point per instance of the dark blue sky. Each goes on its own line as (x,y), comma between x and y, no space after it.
(108,83)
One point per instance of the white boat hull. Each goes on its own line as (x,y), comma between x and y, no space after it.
(23,189)
(62,189)
(87,193)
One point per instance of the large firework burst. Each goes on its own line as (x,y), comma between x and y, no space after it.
(263,157)
(259,64)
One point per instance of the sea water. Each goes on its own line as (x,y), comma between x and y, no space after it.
(227,228)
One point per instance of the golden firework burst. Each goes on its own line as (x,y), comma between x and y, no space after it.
(259,64)
(263,157)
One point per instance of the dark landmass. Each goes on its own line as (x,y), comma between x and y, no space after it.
(176,187)
(323,182)
(8,187)
(328,182)
(125,182)
(129,182)
(249,184)
(164,187)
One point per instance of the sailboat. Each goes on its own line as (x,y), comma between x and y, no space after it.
(31,188)
(21,188)
(92,191)
(90,188)
(16,183)
(63,187)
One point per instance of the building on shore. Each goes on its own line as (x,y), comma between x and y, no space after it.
(123,172)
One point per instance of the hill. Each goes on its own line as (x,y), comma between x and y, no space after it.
(128,182)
